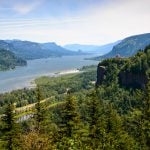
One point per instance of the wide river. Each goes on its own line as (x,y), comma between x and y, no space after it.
(23,76)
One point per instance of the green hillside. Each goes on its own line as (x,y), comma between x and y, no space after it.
(128,47)
(68,112)
(33,50)
(8,60)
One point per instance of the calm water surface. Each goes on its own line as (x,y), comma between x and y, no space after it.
(23,76)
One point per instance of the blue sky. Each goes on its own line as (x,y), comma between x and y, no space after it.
(73,21)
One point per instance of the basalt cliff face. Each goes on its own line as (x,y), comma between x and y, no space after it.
(132,72)
(125,78)
(101,70)
(129,79)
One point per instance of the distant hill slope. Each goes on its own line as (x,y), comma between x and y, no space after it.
(8,60)
(6,46)
(129,46)
(99,49)
(56,49)
(33,50)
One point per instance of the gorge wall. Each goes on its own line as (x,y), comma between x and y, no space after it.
(126,78)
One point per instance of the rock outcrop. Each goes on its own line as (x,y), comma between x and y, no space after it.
(126,78)
(101,70)
(129,79)
(132,72)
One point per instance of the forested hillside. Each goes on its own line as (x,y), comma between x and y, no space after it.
(128,46)
(33,50)
(8,60)
(70,113)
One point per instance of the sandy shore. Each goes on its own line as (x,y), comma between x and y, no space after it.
(68,72)
(29,81)
(56,74)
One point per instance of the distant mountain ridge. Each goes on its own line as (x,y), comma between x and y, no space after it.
(8,60)
(33,50)
(99,49)
(128,47)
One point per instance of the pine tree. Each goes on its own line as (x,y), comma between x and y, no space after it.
(116,136)
(96,122)
(70,125)
(43,129)
(10,128)
(140,121)
(146,117)
(39,111)
(70,117)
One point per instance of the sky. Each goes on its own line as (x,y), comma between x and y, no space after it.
(73,21)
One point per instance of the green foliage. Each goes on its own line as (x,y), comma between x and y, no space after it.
(39,111)
(59,85)
(88,68)
(9,129)
(55,86)
(70,117)
(136,68)
(8,60)
(96,122)
(34,140)
(128,47)
(19,98)
(139,63)
(109,117)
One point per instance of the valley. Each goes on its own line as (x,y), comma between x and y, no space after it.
(70,103)
(23,77)
(74,75)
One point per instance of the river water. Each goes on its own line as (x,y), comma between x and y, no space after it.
(23,76)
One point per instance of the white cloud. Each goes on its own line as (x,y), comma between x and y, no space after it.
(26,7)
(99,25)
(119,19)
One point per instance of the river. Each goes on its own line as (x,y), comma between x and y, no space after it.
(22,77)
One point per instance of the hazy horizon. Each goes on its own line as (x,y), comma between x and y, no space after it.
(92,22)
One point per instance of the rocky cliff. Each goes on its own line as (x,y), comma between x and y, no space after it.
(133,72)
(129,79)
(125,78)
(101,70)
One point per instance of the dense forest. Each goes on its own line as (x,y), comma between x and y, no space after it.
(8,60)
(70,113)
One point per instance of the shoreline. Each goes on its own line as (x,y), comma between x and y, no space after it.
(71,71)
(30,83)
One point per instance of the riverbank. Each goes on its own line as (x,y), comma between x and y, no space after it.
(23,77)
(56,74)
(67,72)
(29,81)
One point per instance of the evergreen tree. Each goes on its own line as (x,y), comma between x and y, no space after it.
(146,117)
(70,125)
(116,136)
(139,122)
(40,112)
(70,117)
(111,74)
(10,129)
(96,122)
